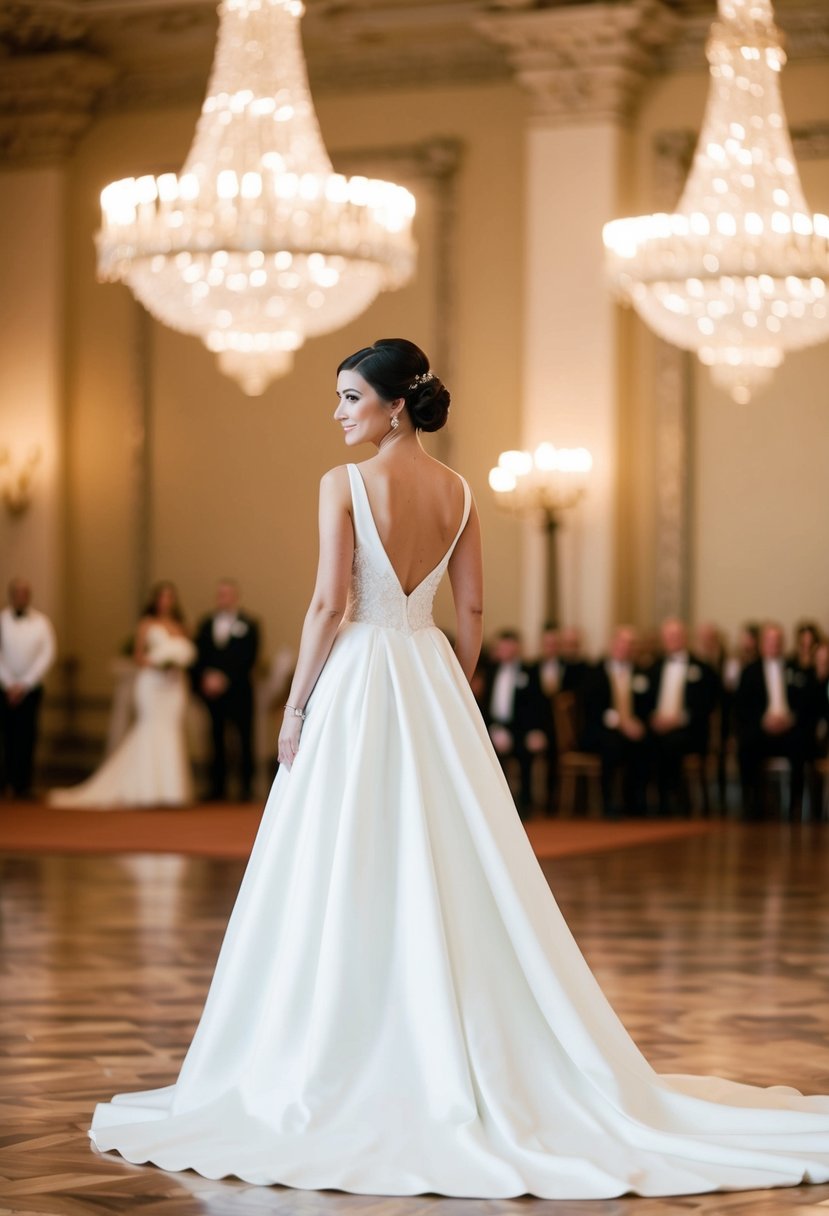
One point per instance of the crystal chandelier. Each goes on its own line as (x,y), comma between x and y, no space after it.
(738,273)
(257,244)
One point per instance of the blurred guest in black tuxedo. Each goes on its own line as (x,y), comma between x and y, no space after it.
(551,668)
(27,651)
(683,694)
(709,646)
(616,703)
(822,701)
(746,651)
(776,710)
(516,711)
(228,644)
(576,667)
(806,641)
(553,678)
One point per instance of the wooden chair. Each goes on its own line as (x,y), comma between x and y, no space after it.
(574,765)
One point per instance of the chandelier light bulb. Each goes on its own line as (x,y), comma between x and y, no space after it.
(257,244)
(738,273)
(515,462)
(501,480)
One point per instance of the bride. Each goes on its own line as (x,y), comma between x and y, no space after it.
(150,766)
(398,1006)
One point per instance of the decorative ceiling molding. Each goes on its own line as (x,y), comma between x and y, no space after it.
(586,61)
(805,28)
(578,61)
(47,25)
(47,102)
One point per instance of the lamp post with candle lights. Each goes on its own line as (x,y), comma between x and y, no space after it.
(542,485)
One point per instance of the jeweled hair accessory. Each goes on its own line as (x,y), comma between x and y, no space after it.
(423,378)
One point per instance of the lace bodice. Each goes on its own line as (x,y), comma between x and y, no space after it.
(375,595)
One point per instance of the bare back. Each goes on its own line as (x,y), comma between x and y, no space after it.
(417,505)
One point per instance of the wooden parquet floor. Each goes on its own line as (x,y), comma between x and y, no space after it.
(714,950)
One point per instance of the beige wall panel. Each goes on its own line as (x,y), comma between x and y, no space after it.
(31,355)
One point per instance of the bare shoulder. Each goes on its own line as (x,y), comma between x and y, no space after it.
(335,479)
(335,488)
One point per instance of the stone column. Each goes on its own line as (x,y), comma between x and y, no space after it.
(583,66)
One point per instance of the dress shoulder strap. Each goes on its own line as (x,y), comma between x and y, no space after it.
(467,507)
(364,528)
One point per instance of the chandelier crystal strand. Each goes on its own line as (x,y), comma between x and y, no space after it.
(257,244)
(739,272)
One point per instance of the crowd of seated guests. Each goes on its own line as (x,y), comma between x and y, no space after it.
(651,702)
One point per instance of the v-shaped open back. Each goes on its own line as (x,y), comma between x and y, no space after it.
(376,595)
(367,524)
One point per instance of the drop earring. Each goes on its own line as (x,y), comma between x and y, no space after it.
(395,422)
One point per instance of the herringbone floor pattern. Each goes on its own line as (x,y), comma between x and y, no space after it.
(714,950)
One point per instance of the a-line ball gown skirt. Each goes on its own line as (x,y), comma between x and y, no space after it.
(398,1006)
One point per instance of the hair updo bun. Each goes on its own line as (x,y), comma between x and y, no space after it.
(428,404)
(396,368)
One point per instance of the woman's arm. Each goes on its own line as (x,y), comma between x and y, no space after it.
(327,606)
(467,579)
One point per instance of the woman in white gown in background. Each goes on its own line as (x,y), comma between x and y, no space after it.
(150,766)
(398,1006)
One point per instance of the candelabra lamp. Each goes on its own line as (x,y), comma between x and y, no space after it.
(541,486)
(16,478)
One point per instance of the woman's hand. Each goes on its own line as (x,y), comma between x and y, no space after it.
(289,739)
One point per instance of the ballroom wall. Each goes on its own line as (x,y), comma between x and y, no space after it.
(157,466)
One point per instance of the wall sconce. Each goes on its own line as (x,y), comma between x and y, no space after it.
(16,480)
(543,485)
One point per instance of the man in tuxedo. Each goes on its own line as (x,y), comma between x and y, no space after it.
(552,676)
(228,643)
(27,651)
(683,694)
(517,713)
(776,708)
(576,668)
(616,702)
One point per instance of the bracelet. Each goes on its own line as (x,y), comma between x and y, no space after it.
(298,713)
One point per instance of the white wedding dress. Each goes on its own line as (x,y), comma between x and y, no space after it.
(150,766)
(398,1006)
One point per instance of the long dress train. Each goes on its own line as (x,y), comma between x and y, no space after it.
(150,766)
(398,1006)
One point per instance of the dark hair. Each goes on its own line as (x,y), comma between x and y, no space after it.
(508,635)
(395,368)
(151,607)
(809,627)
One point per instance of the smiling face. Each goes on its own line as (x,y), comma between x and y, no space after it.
(364,416)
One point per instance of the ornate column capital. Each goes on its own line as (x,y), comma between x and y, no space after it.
(584,62)
(46,102)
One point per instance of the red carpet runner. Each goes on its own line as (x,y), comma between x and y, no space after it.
(227,830)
